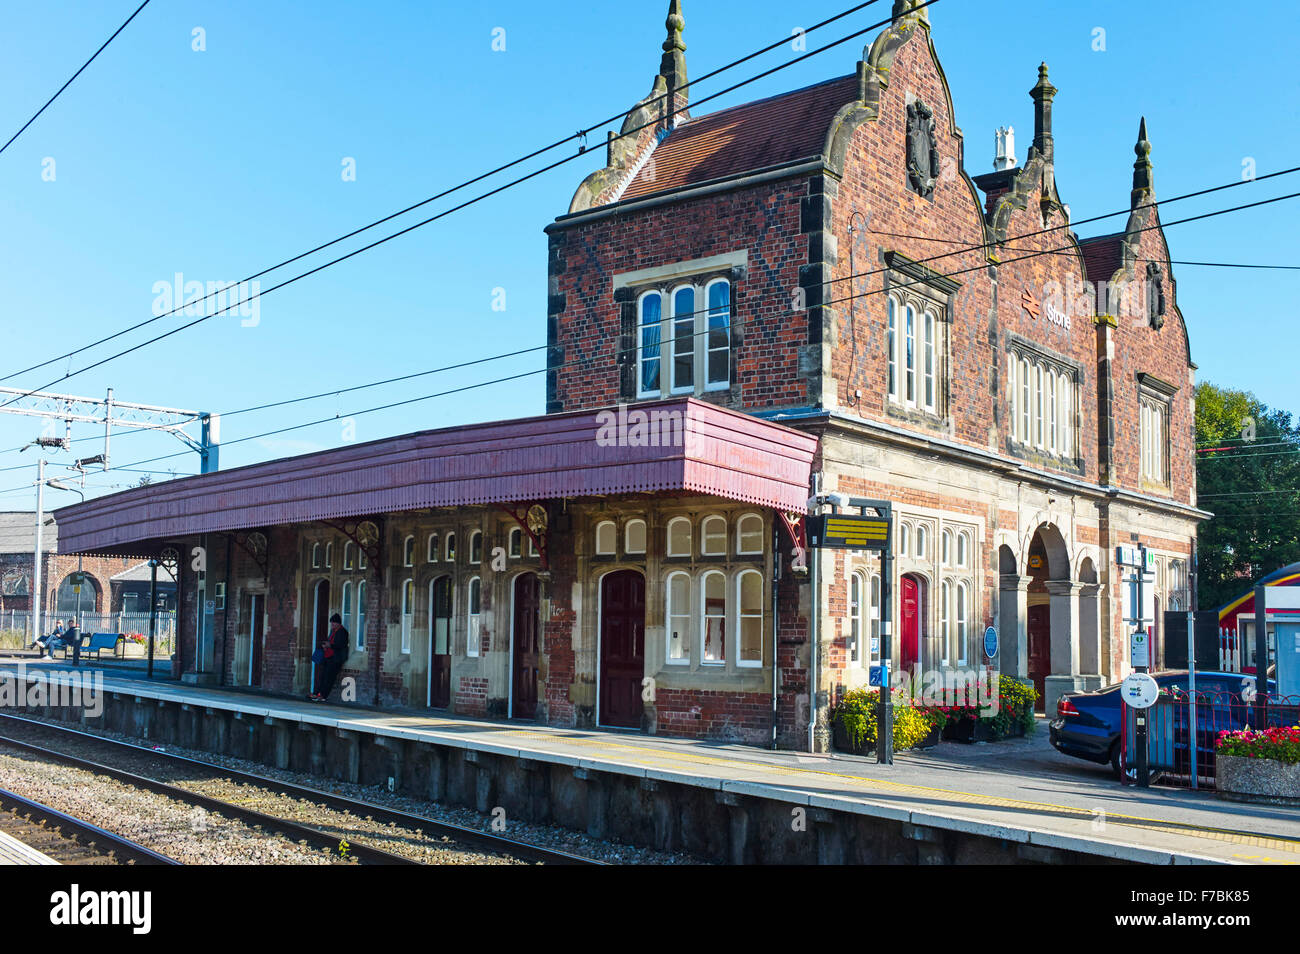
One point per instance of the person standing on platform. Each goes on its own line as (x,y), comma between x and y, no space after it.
(335,650)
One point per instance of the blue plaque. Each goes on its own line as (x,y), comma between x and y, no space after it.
(991,643)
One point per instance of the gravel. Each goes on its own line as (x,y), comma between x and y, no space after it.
(415,844)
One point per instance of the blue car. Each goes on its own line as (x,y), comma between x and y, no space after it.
(1087,724)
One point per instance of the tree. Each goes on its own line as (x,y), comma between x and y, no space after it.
(144,481)
(1248,475)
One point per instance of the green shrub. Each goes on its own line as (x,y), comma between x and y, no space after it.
(855,714)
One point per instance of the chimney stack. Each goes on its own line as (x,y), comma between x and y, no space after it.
(1004,148)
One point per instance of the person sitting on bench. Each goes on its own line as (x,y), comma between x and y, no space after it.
(49,642)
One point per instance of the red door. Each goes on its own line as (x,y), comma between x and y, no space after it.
(255,620)
(909,647)
(1040,648)
(526,649)
(440,644)
(622,648)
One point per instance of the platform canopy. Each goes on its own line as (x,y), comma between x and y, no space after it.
(680,446)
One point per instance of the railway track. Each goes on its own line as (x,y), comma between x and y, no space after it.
(69,840)
(360,850)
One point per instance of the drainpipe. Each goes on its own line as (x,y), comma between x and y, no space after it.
(814,629)
(776,582)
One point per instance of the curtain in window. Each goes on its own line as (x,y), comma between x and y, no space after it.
(651,312)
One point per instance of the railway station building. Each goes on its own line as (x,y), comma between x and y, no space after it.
(805,294)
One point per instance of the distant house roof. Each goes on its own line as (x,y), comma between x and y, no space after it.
(688,447)
(18,533)
(768,132)
(1101,256)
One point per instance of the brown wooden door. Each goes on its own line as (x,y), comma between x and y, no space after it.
(1039,630)
(909,630)
(525,648)
(622,648)
(255,634)
(440,643)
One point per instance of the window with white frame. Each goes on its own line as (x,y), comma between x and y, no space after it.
(749,534)
(677,616)
(347,555)
(516,542)
(476,547)
(914,344)
(963,608)
(606,538)
(434,549)
(315,556)
(904,539)
(1042,407)
(857,617)
(873,648)
(408,613)
(408,552)
(634,537)
(945,621)
(361,558)
(679,537)
(692,324)
(962,548)
(945,548)
(329,555)
(920,542)
(713,536)
(360,632)
(713,618)
(449,548)
(345,604)
(472,615)
(749,618)
(1154,427)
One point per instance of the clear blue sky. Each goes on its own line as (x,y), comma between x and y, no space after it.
(217,163)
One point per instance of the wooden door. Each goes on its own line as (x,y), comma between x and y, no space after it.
(622,648)
(525,648)
(440,643)
(1039,631)
(256,612)
(909,647)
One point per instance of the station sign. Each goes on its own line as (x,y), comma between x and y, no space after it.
(843,531)
(1126,555)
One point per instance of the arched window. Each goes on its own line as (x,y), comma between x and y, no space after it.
(650,310)
(329,555)
(1052,444)
(713,536)
(945,621)
(634,537)
(359,634)
(408,551)
(909,354)
(1038,405)
(1066,414)
(749,534)
(345,606)
(920,542)
(434,549)
(679,537)
(961,549)
(1025,390)
(945,548)
(749,618)
(683,346)
(361,559)
(347,555)
(476,547)
(904,538)
(315,556)
(873,650)
(516,542)
(928,362)
(857,632)
(678,618)
(449,549)
(962,607)
(473,608)
(893,348)
(408,613)
(713,618)
(606,537)
(718,340)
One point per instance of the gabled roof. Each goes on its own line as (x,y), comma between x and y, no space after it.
(18,533)
(768,132)
(1102,256)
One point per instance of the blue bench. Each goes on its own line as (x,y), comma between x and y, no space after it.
(95,643)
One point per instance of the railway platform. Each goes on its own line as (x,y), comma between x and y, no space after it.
(1015,802)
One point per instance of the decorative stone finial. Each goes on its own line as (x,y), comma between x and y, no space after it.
(906,8)
(1144,180)
(1042,95)
(672,67)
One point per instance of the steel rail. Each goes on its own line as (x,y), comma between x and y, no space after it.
(86,835)
(431,826)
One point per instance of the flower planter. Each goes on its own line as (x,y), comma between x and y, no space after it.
(840,739)
(1245,779)
(931,740)
(975,730)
